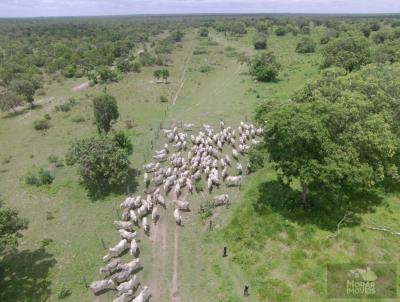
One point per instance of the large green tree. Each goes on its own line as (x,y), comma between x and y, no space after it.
(102,161)
(339,133)
(105,111)
(349,52)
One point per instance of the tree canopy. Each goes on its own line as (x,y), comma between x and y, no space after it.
(102,161)
(105,111)
(339,133)
(264,67)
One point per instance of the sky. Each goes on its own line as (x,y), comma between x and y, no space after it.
(38,8)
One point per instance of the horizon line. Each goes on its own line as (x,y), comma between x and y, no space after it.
(206,14)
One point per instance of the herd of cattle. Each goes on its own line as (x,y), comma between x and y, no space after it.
(177,166)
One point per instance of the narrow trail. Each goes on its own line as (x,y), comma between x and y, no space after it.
(182,79)
(174,289)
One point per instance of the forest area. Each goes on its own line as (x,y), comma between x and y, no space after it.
(199,157)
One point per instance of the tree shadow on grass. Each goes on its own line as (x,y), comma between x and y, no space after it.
(101,191)
(323,211)
(22,111)
(23,275)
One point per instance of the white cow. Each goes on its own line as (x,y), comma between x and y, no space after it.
(221,200)
(182,205)
(177,217)
(145,225)
(143,296)
(154,215)
(117,250)
(128,286)
(111,267)
(233,181)
(98,286)
(134,248)
(126,225)
(126,235)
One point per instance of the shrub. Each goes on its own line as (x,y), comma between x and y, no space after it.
(264,67)
(47,116)
(53,159)
(203,32)
(163,99)
(198,186)
(205,68)
(42,177)
(199,51)
(280,31)
(42,124)
(260,41)
(66,106)
(64,293)
(105,111)
(129,124)
(78,119)
(306,45)
(206,209)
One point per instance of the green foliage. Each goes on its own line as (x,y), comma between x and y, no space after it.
(339,134)
(163,99)
(24,88)
(66,106)
(11,226)
(64,293)
(42,124)
(40,178)
(177,35)
(203,32)
(206,209)
(105,75)
(264,67)
(199,51)
(105,111)
(123,141)
(69,71)
(260,41)
(280,31)
(257,157)
(306,45)
(199,186)
(237,28)
(10,101)
(165,46)
(124,65)
(101,161)
(206,68)
(349,53)
(161,73)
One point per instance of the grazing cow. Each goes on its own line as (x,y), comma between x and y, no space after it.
(134,217)
(146,179)
(209,185)
(127,235)
(145,225)
(177,217)
(235,154)
(101,285)
(150,167)
(143,296)
(239,169)
(221,200)
(154,215)
(126,225)
(160,200)
(117,250)
(125,214)
(233,181)
(125,297)
(111,267)
(134,248)
(128,286)
(182,205)
(126,271)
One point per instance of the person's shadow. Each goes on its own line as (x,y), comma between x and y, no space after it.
(23,275)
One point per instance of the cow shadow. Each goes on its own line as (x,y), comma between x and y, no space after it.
(323,210)
(23,275)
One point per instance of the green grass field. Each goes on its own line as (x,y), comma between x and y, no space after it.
(281,256)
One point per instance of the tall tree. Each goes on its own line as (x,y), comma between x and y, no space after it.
(105,111)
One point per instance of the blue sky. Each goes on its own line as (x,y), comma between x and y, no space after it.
(33,8)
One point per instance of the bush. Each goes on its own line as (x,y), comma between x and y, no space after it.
(280,31)
(306,45)
(264,67)
(78,119)
(206,209)
(66,106)
(42,177)
(260,41)
(203,32)
(205,68)
(199,51)
(42,124)
(53,159)
(163,99)
(64,293)
(47,117)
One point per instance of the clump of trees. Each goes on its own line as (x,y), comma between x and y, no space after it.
(260,40)
(338,135)
(264,67)
(105,112)
(349,52)
(306,45)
